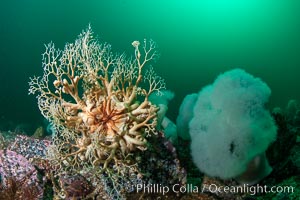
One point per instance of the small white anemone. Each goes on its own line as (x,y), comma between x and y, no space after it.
(135,44)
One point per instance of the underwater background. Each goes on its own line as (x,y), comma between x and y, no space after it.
(197,40)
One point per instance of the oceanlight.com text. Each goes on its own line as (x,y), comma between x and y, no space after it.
(252,190)
(212,188)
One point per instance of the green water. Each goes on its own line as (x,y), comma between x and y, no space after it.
(197,39)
